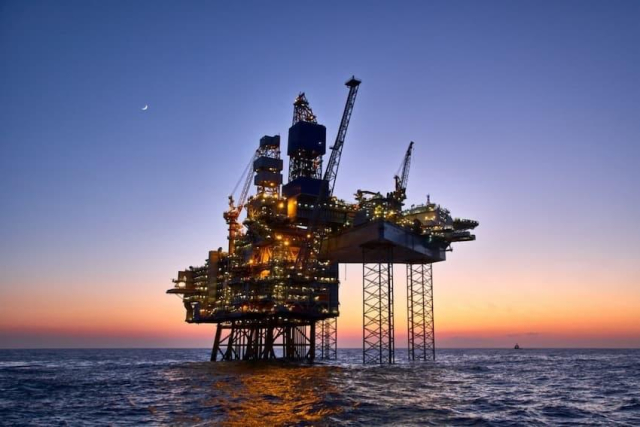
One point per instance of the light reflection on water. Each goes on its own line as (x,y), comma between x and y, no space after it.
(258,394)
(169,387)
(277,395)
(270,394)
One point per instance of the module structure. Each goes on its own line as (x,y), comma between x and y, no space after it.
(274,291)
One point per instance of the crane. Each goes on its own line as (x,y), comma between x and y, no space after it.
(231,216)
(313,242)
(402,176)
(331,172)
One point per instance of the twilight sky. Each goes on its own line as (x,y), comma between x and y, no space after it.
(526,117)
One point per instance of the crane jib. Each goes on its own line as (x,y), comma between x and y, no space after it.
(334,161)
(406,164)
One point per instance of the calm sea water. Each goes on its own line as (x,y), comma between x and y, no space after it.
(179,387)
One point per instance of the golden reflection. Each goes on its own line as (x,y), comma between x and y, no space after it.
(274,394)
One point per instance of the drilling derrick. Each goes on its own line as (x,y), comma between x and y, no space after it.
(302,111)
(274,292)
(307,144)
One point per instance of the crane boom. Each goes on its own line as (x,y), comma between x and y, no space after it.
(402,177)
(331,172)
(231,216)
(313,242)
(247,183)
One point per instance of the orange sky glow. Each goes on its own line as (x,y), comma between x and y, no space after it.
(467,313)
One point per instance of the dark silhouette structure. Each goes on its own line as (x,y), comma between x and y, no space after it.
(274,291)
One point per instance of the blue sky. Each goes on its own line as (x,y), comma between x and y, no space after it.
(525,117)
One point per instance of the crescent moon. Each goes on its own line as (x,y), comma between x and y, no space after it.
(145,108)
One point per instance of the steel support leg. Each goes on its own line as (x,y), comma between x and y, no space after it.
(327,336)
(312,342)
(420,323)
(251,341)
(216,343)
(377,336)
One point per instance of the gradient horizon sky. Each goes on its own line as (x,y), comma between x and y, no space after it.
(526,117)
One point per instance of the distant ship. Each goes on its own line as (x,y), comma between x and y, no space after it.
(517,347)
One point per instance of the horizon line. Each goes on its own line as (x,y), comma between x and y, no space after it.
(339,348)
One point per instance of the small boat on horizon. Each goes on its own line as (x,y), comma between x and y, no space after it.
(517,347)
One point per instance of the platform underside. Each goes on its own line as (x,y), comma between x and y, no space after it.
(376,238)
(283,317)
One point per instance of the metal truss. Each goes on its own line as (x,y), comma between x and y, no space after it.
(259,341)
(377,335)
(422,345)
(327,339)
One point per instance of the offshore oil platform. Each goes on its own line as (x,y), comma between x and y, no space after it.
(274,291)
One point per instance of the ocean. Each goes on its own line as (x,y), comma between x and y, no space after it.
(180,387)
